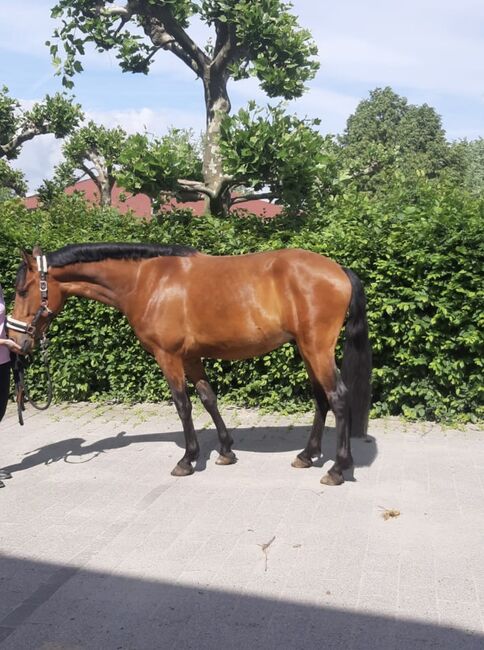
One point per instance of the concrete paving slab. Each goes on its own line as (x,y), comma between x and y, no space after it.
(100,547)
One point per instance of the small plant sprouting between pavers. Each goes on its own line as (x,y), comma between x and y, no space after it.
(265,548)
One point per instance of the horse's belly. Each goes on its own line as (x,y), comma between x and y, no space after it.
(232,350)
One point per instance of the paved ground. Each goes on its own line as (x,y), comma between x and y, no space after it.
(102,548)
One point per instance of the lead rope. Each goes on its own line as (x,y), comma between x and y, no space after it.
(18,377)
(22,394)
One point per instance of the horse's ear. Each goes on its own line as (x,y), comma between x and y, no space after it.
(37,251)
(28,259)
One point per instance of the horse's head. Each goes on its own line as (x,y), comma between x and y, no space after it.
(38,299)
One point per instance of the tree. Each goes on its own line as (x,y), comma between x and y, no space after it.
(471,153)
(56,114)
(91,150)
(261,39)
(386,133)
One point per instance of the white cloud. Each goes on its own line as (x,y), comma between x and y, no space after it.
(25,26)
(147,119)
(332,107)
(432,45)
(38,158)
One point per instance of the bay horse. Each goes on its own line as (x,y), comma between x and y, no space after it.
(184,305)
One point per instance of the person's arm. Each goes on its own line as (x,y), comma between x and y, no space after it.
(11,345)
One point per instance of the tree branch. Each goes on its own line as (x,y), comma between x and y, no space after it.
(9,148)
(195,186)
(161,39)
(253,196)
(158,22)
(226,48)
(125,12)
(89,172)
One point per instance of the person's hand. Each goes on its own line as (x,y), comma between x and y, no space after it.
(11,345)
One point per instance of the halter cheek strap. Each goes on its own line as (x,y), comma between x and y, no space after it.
(22,326)
(42,268)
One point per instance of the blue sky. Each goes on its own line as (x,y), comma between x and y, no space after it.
(428,50)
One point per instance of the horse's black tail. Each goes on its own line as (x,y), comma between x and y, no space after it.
(356,365)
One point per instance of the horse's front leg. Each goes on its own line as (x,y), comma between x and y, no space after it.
(172,367)
(196,374)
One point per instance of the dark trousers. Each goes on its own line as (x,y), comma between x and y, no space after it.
(4,387)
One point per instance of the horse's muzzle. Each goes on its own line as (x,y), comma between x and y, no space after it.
(25,342)
(26,345)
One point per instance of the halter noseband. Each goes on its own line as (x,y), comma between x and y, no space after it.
(22,326)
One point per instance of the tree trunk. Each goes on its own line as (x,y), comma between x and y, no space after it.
(102,179)
(217,106)
(104,191)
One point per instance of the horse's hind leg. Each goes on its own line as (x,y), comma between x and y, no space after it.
(313,446)
(338,401)
(173,370)
(197,375)
(329,388)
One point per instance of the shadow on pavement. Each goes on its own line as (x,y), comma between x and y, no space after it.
(255,439)
(51,606)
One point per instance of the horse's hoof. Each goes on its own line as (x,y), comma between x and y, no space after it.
(4,475)
(226,460)
(332,479)
(301,463)
(180,470)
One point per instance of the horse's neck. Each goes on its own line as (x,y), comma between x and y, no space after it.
(107,282)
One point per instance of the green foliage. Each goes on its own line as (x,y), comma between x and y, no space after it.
(387,136)
(422,266)
(11,180)
(52,188)
(154,165)
(421,263)
(282,153)
(264,151)
(471,154)
(97,139)
(84,21)
(272,46)
(269,42)
(93,150)
(56,114)
(8,119)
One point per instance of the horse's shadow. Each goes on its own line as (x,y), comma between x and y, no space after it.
(254,439)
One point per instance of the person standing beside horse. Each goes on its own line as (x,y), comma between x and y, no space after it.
(6,347)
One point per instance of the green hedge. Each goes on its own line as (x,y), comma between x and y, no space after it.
(421,262)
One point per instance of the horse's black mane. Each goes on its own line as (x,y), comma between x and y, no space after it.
(97,252)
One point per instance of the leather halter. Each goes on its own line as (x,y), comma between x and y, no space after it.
(29,328)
